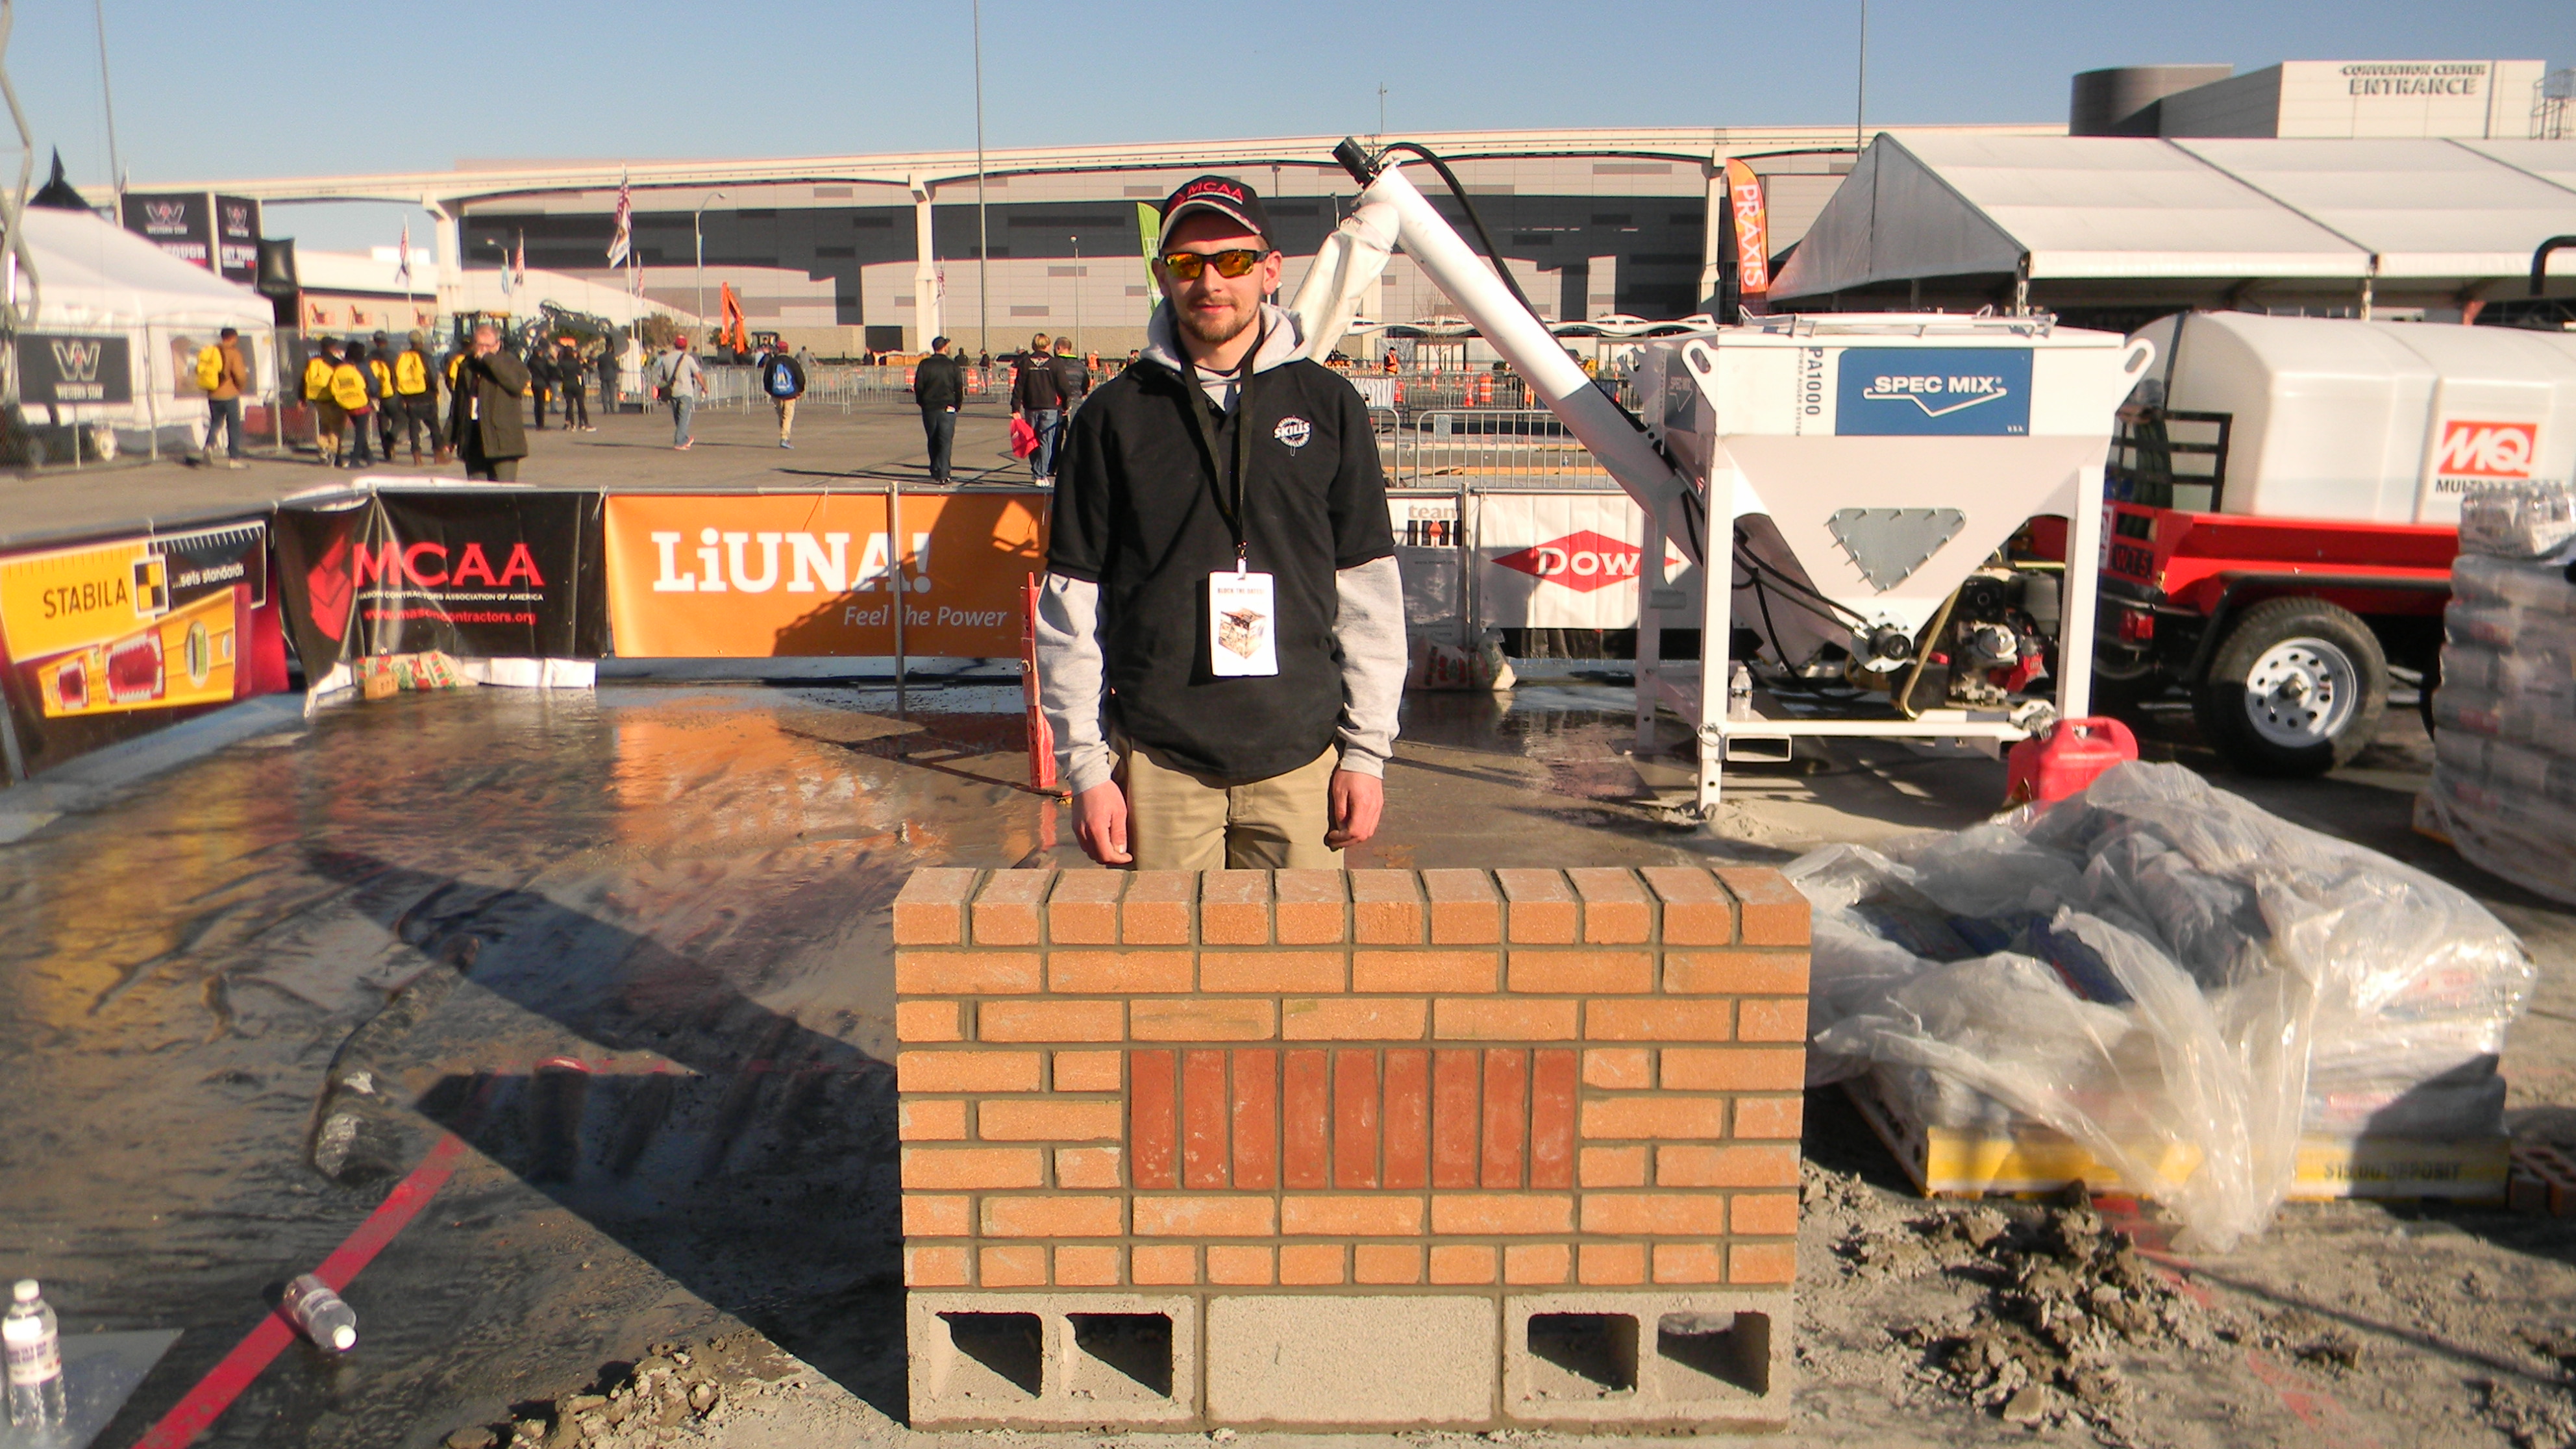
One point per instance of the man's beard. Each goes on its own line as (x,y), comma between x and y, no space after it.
(1215,334)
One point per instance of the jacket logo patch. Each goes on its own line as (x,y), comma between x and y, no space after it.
(1293,431)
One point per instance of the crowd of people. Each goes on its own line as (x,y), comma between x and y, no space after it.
(365,393)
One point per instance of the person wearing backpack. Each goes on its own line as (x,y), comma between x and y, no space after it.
(223,373)
(783,378)
(354,390)
(416,400)
(380,371)
(1036,400)
(328,421)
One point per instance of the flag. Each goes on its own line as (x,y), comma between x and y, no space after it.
(1752,229)
(519,263)
(620,245)
(402,256)
(1149,226)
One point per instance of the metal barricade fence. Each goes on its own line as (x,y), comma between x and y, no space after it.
(1489,448)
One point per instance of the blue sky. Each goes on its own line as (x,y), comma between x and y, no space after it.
(290,87)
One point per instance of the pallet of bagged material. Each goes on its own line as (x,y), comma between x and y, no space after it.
(1987,1161)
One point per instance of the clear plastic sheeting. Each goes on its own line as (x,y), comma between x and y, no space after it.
(2517,520)
(2179,981)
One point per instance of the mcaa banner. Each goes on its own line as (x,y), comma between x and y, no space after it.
(109,640)
(694,577)
(487,574)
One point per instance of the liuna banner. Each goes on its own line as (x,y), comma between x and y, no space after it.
(108,640)
(698,577)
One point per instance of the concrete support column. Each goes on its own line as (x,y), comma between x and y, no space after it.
(925,270)
(449,232)
(1712,238)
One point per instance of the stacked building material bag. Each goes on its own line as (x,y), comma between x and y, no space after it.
(2504,773)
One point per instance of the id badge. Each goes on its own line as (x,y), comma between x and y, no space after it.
(1243,626)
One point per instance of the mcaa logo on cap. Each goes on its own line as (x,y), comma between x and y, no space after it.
(1221,194)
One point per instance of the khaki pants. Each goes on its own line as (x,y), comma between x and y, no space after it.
(786,416)
(1180,820)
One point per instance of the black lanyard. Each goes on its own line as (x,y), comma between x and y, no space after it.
(1195,399)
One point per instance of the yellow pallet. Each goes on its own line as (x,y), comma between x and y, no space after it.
(1967,1162)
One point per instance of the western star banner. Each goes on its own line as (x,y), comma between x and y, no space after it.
(109,640)
(813,574)
(181,223)
(87,368)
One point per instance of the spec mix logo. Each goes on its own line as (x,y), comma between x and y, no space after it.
(1581,561)
(2471,449)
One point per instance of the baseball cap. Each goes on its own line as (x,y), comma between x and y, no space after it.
(1223,195)
(937,343)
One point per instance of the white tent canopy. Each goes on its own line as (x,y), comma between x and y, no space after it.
(94,278)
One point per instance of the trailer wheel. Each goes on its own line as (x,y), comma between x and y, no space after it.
(2296,688)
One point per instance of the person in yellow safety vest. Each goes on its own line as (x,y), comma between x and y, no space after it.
(380,371)
(416,396)
(329,421)
(351,389)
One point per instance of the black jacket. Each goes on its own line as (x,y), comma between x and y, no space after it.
(938,382)
(1072,378)
(486,405)
(1034,388)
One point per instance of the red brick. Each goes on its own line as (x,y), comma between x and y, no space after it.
(1234,908)
(1067,1216)
(1769,1116)
(1736,973)
(1087,1071)
(1632,1118)
(1503,1018)
(1615,909)
(935,1267)
(1763,1214)
(1082,910)
(1386,908)
(1503,1140)
(1775,914)
(1541,909)
(1087,1167)
(1356,1018)
(1612,1265)
(1408,1118)
(1256,1119)
(967,1168)
(1537,1263)
(1734,1069)
(1456,1117)
(926,1216)
(1355,1119)
(928,1021)
(1156,908)
(1245,1018)
(1203,1217)
(1462,1263)
(1659,1019)
(1641,1215)
(1006,910)
(1203,1119)
(1270,971)
(1629,1069)
(1781,1018)
(1087,1266)
(1153,1118)
(1164,1263)
(917,1070)
(1551,1130)
(965,973)
(1425,971)
(1043,1119)
(1598,973)
(1312,1264)
(930,1119)
(1386,1263)
(1464,909)
(1697,910)
(1050,1021)
(1240,1266)
(1311,911)
(1689,1263)
(1615,1166)
(1747,1165)
(1020,1265)
(1119,973)
(1494,1214)
(1351,1215)
(1306,1118)
(1762,1263)
(930,910)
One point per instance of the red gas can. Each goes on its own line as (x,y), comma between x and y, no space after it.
(2064,758)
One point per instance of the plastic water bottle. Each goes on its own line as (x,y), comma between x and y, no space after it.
(320,1313)
(1739,693)
(35,1345)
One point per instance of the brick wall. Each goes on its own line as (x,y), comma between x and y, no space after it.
(1441,1082)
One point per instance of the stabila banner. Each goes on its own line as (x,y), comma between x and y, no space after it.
(108,640)
(178,222)
(1752,229)
(59,370)
(813,574)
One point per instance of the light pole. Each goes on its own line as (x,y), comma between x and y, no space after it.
(1077,293)
(698,234)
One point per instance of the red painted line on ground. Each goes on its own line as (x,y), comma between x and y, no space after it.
(251,1357)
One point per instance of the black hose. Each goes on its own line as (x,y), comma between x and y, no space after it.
(1484,238)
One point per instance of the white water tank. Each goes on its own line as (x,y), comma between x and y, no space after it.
(2380,422)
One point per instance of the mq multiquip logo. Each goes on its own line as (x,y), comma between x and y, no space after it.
(1933,392)
(2473,454)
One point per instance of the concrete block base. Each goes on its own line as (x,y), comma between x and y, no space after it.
(1666,1359)
(1376,1361)
(1053,1360)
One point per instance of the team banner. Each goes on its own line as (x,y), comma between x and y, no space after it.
(692,577)
(105,641)
(1562,560)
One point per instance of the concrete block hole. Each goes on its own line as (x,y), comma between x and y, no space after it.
(1582,1355)
(999,1356)
(1574,1357)
(1119,1356)
(1714,1355)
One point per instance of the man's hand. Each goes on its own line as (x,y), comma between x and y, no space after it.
(1100,823)
(1354,801)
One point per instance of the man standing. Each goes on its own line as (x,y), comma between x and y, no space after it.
(353,387)
(484,414)
(416,400)
(783,379)
(574,369)
(328,421)
(681,380)
(1221,636)
(380,372)
(1072,375)
(1036,400)
(223,400)
(541,377)
(939,386)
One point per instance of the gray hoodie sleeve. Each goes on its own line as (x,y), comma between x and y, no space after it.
(1072,681)
(1370,631)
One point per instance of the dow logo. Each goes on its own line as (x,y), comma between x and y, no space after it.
(2486,450)
(1581,561)
(76,359)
